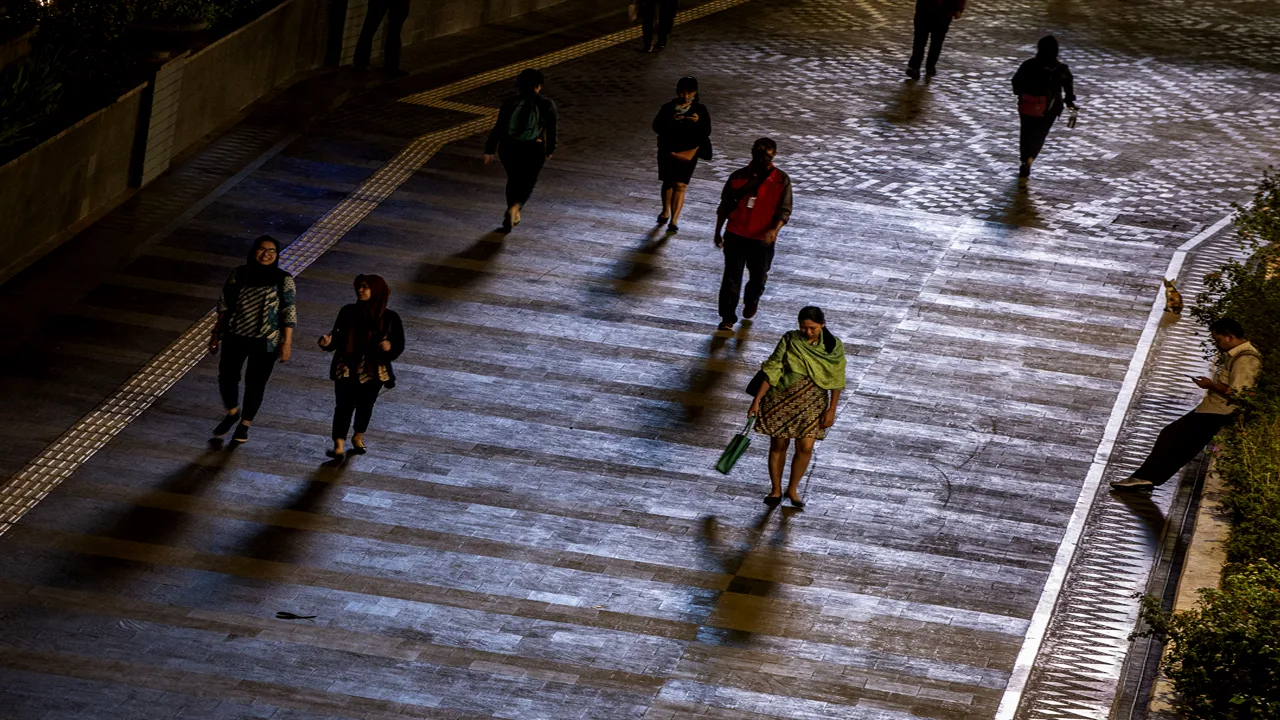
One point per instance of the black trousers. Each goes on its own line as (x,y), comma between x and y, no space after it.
(756,256)
(929,31)
(397,12)
(356,397)
(1178,443)
(659,15)
(238,351)
(1032,132)
(523,162)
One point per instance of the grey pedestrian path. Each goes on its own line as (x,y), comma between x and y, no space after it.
(537,531)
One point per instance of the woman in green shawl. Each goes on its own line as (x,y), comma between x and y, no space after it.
(804,377)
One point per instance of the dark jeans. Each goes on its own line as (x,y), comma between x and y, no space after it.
(1032,133)
(356,397)
(397,11)
(522,161)
(756,256)
(236,351)
(1178,443)
(930,31)
(659,13)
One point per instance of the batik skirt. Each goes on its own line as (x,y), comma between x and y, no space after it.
(794,412)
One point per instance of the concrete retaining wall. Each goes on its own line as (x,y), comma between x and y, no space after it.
(64,180)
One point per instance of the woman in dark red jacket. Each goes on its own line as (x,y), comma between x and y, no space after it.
(365,338)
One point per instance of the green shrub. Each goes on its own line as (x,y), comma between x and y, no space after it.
(1250,465)
(29,93)
(1224,655)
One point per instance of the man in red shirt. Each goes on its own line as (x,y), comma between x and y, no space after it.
(755,204)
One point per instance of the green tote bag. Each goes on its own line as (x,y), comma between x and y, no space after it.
(737,446)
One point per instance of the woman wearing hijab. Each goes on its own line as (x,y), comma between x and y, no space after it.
(797,400)
(256,317)
(524,137)
(683,126)
(1043,85)
(365,338)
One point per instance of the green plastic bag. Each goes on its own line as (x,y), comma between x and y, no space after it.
(737,446)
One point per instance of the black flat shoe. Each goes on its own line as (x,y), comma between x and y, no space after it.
(224,425)
(358,449)
(795,503)
(772,501)
(334,454)
(662,219)
(672,229)
(242,433)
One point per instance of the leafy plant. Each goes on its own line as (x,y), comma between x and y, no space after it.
(29,92)
(1224,655)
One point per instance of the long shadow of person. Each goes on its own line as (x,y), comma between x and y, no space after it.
(1147,513)
(741,609)
(1017,206)
(281,539)
(463,268)
(153,521)
(638,265)
(907,105)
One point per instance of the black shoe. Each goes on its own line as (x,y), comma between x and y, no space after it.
(335,454)
(241,434)
(662,218)
(224,425)
(930,72)
(506,222)
(772,500)
(648,47)
(726,326)
(355,449)
(662,42)
(798,504)
(913,73)
(749,311)
(1024,170)
(671,228)
(1133,484)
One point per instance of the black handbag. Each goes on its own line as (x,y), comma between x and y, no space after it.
(704,149)
(753,387)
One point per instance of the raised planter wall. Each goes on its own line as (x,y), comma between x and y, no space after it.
(65,179)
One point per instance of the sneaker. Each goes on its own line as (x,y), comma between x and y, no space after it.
(749,311)
(725,326)
(913,73)
(242,433)
(224,425)
(1133,484)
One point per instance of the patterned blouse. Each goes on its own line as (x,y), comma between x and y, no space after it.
(258,312)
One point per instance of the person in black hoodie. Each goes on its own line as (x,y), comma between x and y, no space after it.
(1043,85)
(932,21)
(524,137)
(257,312)
(364,341)
(683,126)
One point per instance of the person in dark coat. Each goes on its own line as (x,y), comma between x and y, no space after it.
(683,126)
(932,21)
(524,138)
(1043,86)
(659,15)
(365,339)
(396,12)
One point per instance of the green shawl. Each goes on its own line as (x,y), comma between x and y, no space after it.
(795,357)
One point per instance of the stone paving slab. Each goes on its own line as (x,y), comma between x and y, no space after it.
(538,531)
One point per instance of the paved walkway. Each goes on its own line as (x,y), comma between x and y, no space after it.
(537,532)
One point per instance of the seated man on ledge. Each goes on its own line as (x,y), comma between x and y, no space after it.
(1182,439)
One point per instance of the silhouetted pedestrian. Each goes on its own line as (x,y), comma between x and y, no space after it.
(396,12)
(932,21)
(683,126)
(1179,442)
(797,400)
(365,339)
(754,205)
(1042,85)
(659,15)
(256,316)
(524,138)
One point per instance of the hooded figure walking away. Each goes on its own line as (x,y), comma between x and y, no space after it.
(524,138)
(364,340)
(256,317)
(1042,85)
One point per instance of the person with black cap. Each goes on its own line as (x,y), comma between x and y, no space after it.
(257,312)
(1043,85)
(683,126)
(524,138)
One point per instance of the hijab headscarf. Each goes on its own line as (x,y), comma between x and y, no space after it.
(254,273)
(367,329)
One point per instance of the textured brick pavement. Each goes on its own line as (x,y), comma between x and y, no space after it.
(537,532)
